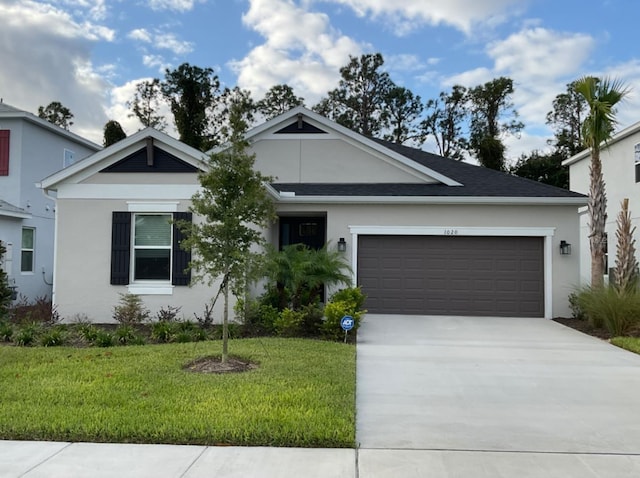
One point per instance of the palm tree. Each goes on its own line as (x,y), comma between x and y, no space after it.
(601,95)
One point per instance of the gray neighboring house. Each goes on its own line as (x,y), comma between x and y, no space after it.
(423,234)
(30,149)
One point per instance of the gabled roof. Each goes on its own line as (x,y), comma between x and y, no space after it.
(8,111)
(116,152)
(277,124)
(625,133)
(477,185)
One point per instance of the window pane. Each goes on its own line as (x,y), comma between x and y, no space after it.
(153,230)
(152,264)
(27,238)
(26,261)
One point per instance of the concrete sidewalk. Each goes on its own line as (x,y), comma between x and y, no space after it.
(26,459)
(107,460)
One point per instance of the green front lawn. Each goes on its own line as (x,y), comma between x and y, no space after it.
(628,343)
(302,394)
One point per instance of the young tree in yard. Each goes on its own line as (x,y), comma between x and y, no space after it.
(234,206)
(191,92)
(113,133)
(279,99)
(601,95)
(444,121)
(146,103)
(489,104)
(56,113)
(626,274)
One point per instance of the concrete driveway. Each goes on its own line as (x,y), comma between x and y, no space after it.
(439,395)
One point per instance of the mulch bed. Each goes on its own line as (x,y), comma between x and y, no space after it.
(584,327)
(212,364)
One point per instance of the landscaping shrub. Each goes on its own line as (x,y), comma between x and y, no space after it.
(353,295)
(41,311)
(168,314)
(163,331)
(131,310)
(104,339)
(126,335)
(53,336)
(289,323)
(26,335)
(206,319)
(574,305)
(617,310)
(334,312)
(6,331)
(88,332)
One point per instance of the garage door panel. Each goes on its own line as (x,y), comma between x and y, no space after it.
(447,275)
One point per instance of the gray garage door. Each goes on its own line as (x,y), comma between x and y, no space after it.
(452,275)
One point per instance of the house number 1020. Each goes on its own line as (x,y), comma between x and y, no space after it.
(450,232)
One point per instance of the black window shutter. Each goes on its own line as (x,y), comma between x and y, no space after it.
(180,275)
(120,247)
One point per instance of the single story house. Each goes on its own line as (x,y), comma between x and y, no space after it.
(423,234)
(620,158)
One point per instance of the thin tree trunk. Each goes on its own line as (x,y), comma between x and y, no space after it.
(597,208)
(225,323)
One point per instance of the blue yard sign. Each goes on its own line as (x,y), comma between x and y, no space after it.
(347,323)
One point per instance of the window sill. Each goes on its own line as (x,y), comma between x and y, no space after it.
(151,289)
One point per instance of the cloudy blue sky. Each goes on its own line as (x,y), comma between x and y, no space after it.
(89,54)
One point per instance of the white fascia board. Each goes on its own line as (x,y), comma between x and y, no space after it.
(542,201)
(131,192)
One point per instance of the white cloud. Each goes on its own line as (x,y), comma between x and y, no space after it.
(301,49)
(175,5)
(161,40)
(408,15)
(47,57)
(140,34)
(168,41)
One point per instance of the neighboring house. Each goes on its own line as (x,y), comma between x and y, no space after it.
(620,158)
(31,148)
(423,234)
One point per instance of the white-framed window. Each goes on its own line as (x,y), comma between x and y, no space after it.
(636,157)
(68,158)
(152,245)
(27,249)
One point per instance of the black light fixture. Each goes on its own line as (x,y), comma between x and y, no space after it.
(342,245)
(565,248)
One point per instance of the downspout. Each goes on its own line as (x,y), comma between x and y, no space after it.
(46,194)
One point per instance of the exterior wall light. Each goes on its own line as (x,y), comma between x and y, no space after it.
(565,248)
(342,245)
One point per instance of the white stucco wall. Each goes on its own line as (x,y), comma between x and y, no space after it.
(618,169)
(82,281)
(328,161)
